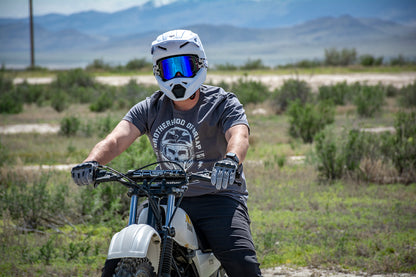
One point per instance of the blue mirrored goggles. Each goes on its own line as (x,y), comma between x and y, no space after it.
(169,67)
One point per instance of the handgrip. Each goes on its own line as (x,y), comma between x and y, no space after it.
(201,176)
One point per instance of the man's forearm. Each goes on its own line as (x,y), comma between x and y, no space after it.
(103,152)
(238,141)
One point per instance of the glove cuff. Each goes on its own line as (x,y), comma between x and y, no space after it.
(233,156)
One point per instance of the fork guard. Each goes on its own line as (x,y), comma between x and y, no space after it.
(136,241)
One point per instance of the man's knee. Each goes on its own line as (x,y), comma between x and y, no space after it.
(240,263)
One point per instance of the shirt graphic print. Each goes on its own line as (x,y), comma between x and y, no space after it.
(178,141)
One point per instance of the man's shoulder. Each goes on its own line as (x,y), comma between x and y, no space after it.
(215,93)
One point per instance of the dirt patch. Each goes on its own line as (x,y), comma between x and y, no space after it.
(29,128)
(315,81)
(59,167)
(379,130)
(314,272)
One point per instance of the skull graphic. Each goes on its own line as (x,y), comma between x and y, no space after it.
(177,146)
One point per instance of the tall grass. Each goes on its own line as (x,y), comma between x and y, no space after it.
(350,226)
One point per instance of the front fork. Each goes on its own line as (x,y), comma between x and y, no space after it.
(168,232)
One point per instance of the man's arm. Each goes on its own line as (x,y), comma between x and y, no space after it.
(123,135)
(237,138)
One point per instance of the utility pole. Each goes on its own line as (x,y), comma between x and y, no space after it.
(32,42)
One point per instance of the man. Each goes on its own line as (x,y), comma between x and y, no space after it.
(200,127)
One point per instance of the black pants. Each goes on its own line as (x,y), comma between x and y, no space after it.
(223,225)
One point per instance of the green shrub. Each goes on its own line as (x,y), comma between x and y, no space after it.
(306,120)
(74,77)
(249,91)
(369,156)
(308,63)
(10,102)
(85,94)
(104,102)
(301,64)
(253,65)
(105,125)
(70,126)
(338,93)
(401,147)
(333,57)
(225,85)
(60,101)
(369,60)
(137,64)
(330,164)
(32,93)
(32,202)
(226,67)
(6,84)
(4,154)
(98,64)
(408,96)
(132,93)
(369,100)
(391,91)
(291,90)
(398,61)
(337,156)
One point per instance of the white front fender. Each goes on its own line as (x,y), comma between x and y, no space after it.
(136,241)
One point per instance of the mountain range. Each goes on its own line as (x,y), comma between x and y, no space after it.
(232,32)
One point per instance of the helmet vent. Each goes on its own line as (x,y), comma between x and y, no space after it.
(163,48)
(184,44)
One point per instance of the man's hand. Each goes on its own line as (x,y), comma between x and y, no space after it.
(223,173)
(85,173)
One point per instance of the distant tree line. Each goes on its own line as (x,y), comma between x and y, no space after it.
(333,57)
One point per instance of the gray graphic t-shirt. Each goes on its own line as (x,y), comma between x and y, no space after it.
(193,138)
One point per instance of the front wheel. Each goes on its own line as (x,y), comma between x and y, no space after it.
(134,267)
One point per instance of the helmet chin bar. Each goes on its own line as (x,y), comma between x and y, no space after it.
(178,91)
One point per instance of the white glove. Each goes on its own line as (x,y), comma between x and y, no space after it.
(223,173)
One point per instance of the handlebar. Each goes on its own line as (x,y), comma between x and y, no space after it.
(152,178)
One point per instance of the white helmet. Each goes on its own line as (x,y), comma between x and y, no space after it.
(179,51)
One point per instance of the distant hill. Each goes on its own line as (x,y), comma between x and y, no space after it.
(230,32)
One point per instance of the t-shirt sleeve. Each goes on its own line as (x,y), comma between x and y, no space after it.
(234,113)
(138,115)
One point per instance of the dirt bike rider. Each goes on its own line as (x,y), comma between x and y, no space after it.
(200,127)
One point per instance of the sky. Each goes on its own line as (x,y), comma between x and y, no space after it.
(20,8)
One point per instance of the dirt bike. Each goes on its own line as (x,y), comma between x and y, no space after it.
(159,239)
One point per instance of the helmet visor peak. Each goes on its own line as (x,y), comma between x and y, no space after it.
(186,65)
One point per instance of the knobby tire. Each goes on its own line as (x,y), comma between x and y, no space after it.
(134,267)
